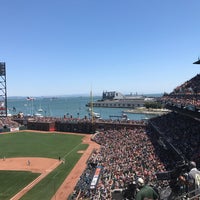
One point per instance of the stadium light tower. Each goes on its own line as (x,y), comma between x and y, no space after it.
(3,90)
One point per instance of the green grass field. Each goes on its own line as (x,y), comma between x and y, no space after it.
(29,144)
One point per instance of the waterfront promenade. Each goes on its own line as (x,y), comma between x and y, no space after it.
(143,110)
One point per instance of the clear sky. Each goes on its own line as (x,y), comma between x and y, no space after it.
(66,47)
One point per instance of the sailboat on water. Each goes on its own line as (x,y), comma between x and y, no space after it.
(92,114)
(39,112)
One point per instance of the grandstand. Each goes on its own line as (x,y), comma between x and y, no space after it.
(185,96)
(158,152)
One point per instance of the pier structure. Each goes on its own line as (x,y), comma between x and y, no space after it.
(117,100)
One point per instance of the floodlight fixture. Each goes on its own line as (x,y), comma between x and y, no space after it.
(2,69)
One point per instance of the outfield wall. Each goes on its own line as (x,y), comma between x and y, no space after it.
(78,126)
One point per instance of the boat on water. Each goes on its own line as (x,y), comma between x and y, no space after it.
(93,114)
(40,110)
(37,115)
(30,109)
(115,99)
(122,117)
(96,115)
(145,118)
(30,98)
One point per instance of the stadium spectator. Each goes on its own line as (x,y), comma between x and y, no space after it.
(145,191)
(186,96)
(194,180)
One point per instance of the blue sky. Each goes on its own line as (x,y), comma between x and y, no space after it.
(66,47)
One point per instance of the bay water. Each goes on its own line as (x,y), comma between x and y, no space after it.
(74,106)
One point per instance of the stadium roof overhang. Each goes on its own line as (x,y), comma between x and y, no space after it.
(197,62)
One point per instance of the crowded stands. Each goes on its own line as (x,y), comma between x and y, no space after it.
(186,95)
(7,122)
(128,154)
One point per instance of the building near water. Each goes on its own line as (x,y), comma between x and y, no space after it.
(116,99)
